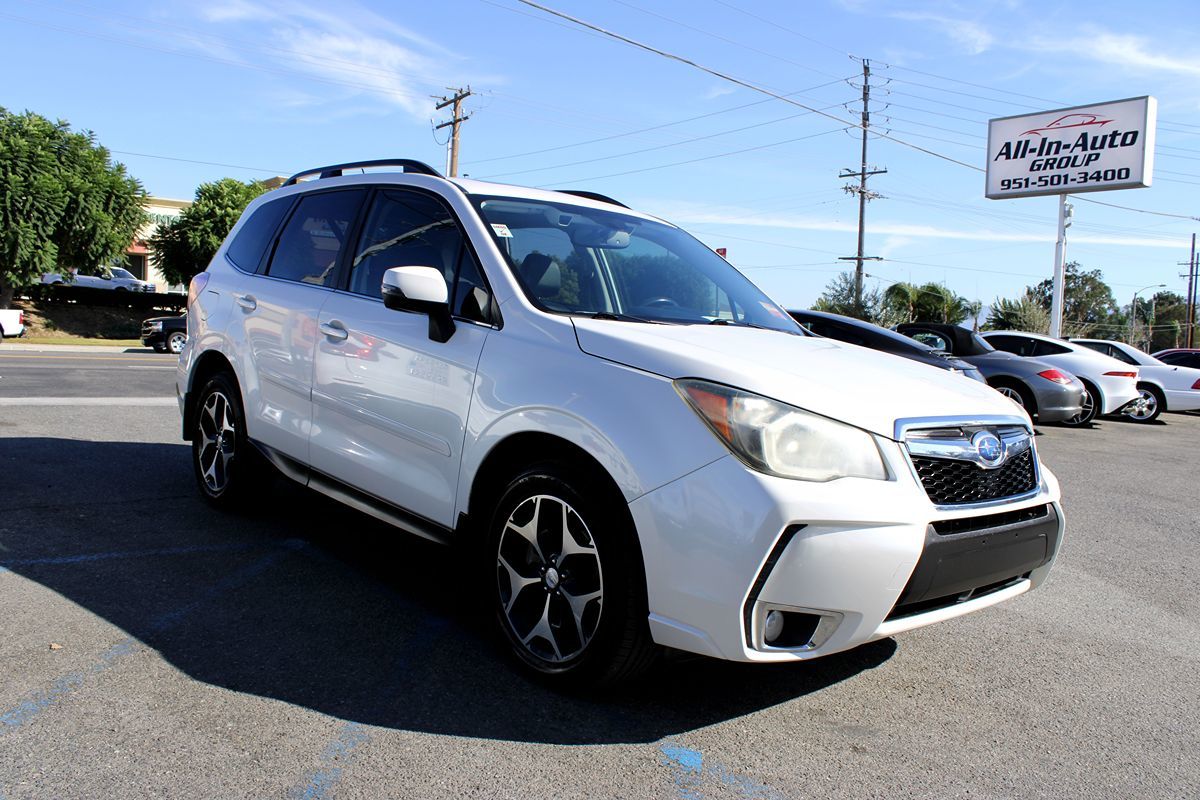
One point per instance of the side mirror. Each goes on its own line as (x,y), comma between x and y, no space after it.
(421,290)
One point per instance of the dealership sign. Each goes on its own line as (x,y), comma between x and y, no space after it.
(1072,150)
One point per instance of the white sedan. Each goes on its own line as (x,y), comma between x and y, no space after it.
(116,278)
(1163,387)
(1109,385)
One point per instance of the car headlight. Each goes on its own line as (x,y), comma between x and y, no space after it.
(156,326)
(783,440)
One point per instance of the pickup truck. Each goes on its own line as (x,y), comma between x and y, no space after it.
(115,278)
(12,323)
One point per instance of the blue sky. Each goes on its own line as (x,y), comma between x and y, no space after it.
(259,87)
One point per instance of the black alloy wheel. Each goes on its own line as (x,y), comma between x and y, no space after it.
(568,591)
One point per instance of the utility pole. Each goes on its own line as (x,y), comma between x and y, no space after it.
(1058,283)
(861,190)
(454,123)
(1191,296)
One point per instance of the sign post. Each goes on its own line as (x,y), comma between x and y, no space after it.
(1092,148)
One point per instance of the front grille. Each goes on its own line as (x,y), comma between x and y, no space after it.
(952,482)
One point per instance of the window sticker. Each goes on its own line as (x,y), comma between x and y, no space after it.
(501,230)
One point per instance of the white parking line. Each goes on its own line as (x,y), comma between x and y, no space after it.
(88,401)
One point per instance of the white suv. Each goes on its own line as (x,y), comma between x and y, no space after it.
(638,446)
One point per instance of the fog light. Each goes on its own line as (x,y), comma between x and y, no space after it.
(773,626)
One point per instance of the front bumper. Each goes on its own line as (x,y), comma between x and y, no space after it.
(852,559)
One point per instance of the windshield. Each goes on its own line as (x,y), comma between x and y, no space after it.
(575,260)
(118,272)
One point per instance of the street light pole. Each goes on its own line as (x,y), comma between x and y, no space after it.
(1133,310)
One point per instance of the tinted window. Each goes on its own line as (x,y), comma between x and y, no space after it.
(313,238)
(934,340)
(411,229)
(254,237)
(1012,344)
(1041,348)
(1181,359)
(576,260)
(1120,355)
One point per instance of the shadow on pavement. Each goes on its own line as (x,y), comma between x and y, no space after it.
(313,604)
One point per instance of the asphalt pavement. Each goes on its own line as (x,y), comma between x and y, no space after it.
(152,647)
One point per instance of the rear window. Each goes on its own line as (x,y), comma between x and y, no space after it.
(254,237)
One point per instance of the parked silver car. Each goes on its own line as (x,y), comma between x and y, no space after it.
(1047,393)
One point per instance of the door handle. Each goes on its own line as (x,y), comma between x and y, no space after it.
(334,330)
(246,301)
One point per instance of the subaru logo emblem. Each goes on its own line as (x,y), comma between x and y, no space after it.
(989,448)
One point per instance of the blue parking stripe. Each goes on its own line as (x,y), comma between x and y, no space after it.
(691,773)
(82,558)
(42,699)
(334,758)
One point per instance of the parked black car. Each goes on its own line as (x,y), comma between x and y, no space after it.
(1047,393)
(864,334)
(165,334)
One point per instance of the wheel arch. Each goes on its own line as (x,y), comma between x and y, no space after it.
(1015,382)
(526,448)
(208,363)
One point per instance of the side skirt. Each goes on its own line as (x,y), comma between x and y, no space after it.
(355,498)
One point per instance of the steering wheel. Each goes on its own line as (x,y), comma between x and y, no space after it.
(659,302)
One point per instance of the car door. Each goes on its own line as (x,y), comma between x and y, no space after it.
(389,403)
(276,316)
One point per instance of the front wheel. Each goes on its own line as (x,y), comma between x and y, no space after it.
(568,590)
(176,341)
(1147,407)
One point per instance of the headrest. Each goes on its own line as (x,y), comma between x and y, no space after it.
(541,275)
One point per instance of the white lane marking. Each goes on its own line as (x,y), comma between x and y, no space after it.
(88,401)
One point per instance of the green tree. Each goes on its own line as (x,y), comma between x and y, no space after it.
(838,298)
(1088,304)
(183,247)
(1167,316)
(931,302)
(1023,314)
(63,203)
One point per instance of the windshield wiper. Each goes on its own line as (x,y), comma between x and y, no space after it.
(615,316)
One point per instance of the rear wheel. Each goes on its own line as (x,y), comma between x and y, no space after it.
(1019,395)
(1147,407)
(1087,413)
(226,466)
(568,591)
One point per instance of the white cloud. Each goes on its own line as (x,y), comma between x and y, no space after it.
(899,232)
(970,36)
(1125,50)
(719,90)
(352,50)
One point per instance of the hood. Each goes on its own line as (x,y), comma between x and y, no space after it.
(865,388)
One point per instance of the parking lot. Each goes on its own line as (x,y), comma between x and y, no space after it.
(152,646)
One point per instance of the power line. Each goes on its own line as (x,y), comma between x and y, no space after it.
(651,128)
(721,38)
(656,147)
(702,158)
(732,79)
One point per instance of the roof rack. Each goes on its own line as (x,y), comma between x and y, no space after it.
(335,170)
(593,196)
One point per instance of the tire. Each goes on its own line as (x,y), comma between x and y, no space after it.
(1147,407)
(1018,394)
(567,588)
(1091,399)
(175,342)
(227,468)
